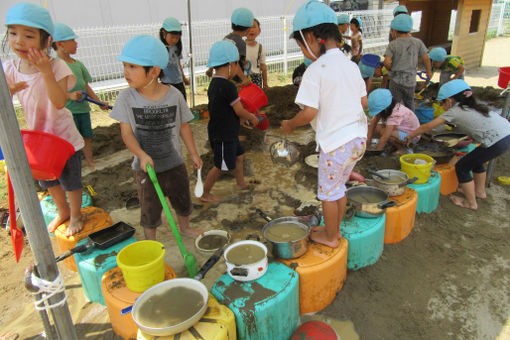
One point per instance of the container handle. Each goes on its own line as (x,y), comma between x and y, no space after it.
(263,215)
(238,271)
(409,181)
(386,204)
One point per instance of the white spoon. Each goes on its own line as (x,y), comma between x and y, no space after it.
(199,187)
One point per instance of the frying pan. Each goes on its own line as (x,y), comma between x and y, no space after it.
(102,239)
(462,143)
(440,152)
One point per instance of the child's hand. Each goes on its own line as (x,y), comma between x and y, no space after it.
(75,95)
(40,60)
(409,140)
(246,123)
(246,81)
(144,160)
(254,120)
(105,105)
(287,127)
(186,81)
(197,161)
(16,87)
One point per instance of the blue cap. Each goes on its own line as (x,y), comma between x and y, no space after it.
(402,23)
(242,17)
(438,54)
(30,15)
(172,25)
(343,19)
(366,70)
(311,14)
(360,22)
(378,100)
(62,32)
(400,10)
(451,88)
(222,52)
(144,50)
(307,61)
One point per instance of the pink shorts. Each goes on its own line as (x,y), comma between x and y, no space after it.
(335,168)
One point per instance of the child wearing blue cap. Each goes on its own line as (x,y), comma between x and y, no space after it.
(65,44)
(256,57)
(41,84)
(451,67)
(401,59)
(489,129)
(397,11)
(152,116)
(170,35)
(343,22)
(331,96)
(226,114)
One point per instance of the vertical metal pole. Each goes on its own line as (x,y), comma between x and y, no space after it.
(501,18)
(191,61)
(23,184)
(285,38)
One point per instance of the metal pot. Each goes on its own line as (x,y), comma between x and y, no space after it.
(397,184)
(291,249)
(368,202)
(246,272)
(284,153)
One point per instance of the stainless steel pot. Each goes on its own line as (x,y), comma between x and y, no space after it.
(291,249)
(397,184)
(368,202)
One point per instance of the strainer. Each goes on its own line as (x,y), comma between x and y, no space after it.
(284,153)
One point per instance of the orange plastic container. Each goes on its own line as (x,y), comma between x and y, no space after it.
(322,271)
(449,181)
(117,296)
(94,219)
(400,219)
(252,97)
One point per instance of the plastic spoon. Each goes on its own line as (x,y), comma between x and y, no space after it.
(199,187)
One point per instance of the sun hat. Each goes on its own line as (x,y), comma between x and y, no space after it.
(307,61)
(360,22)
(172,25)
(62,32)
(31,15)
(343,19)
(438,54)
(222,52)
(144,50)
(400,10)
(451,88)
(378,100)
(366,70)
(311,14)
(242,17)
(402,23)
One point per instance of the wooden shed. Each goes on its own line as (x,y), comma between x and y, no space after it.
(470,27)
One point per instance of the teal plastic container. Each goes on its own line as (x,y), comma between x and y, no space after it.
(366,240)
(49,208)
(428,193)
(266,308)
(93,263)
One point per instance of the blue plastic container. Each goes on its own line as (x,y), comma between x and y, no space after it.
(93,263)
(425,114)
(428,193)
(49,208)
(371,60)
(265,309)
(366,240)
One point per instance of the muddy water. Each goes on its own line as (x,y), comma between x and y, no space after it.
(170,308)
(366,197)
(245,254)
(210,242)
(285,232)
(392,180)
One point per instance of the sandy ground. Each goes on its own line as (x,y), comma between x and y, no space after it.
(448,280)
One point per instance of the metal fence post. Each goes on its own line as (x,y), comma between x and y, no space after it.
(501,18)
(192,60)
(285,28)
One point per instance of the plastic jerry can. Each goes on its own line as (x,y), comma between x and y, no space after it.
(266,308)
(49,208)
(94,219)
(400,218)
(93,263)
(449,181)
(218,323)
(428,193)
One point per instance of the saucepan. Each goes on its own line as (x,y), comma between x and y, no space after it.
(394,182)
(368,201)
(246,260)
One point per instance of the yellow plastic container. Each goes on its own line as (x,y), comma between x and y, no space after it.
(505,180)
(142,264)
(438,109)
(417,165)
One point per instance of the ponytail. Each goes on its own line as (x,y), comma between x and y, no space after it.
(466,98)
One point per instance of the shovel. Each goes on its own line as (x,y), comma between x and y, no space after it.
(16,233)
(452,142)
(189,260)
(85,96)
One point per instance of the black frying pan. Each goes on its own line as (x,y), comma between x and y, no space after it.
(102,239)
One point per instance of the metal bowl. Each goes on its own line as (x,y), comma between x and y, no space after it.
(211,233)
(284,153)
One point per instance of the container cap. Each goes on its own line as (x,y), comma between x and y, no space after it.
(402,23)
(30,15)
(311,14)
(222,52)
(144,50)
(378,100)
(172,25)
(62,32)
(242,17)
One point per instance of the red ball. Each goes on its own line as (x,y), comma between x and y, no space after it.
(314,330)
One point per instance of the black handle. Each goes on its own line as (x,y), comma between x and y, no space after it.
(386,204)
(236,271)
(209,264)
(78,249)
(263,215)
(409,181)
(253,236)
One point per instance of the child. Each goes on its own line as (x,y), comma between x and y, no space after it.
(396,11)
(448,64)
(256,57)
(401,59)
(65,44)
(487,128)
(170,35)
(343,21)
(226,114)
(398,120)
(152,117)
(331,96)
(41,84)
(357,45)
(370,67)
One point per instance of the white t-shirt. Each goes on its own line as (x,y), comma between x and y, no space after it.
(333,85)
(252,54)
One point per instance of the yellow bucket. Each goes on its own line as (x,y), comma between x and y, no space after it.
(142,264)
(417,165)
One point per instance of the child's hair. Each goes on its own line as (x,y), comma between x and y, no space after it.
(220,66)
(401,32)
(321,31)
(44,40)
(471,102)
(257,21)
(163,33)
(148,68)
(384,114)
(356,23)
(239,28)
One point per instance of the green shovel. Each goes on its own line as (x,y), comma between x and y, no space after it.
(189,259)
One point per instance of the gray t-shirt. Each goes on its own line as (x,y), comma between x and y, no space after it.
(172,73)
(486,130)
(404,53)
(239,42)
(156,125)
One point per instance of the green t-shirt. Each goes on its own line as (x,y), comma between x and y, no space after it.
(82,78)
(452,63)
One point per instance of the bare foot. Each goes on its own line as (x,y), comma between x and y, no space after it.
(321,237)
(9,336)
(57,221)
(244,186)
(209,198)
(75,226)
(191,232)
(462,202)
(322,228)
(481,195)
(91,164)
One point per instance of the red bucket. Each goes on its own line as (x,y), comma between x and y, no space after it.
(263,121)
(504,77)
(252,97)
(47,154)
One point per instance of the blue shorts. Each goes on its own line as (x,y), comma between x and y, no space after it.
(402,136)
(226,153)
(70,179)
